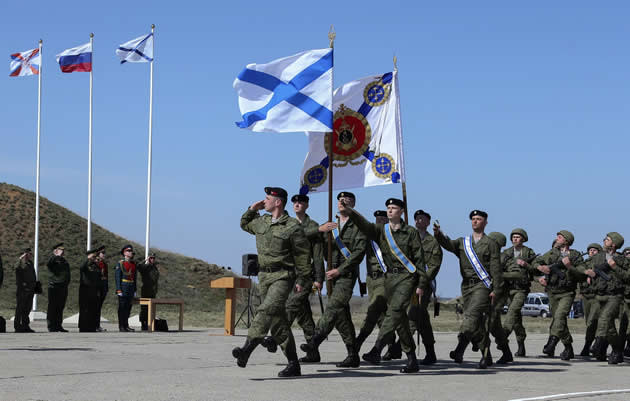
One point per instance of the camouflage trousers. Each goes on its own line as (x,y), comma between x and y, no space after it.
(624,312)
(271,315)
(560,304)
(337,314)
(476,300)
(299,309)
(419,319)
(377,304)
(399,288)
(609,311)
(513,320)
(591,315)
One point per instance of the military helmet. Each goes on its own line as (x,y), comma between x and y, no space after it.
(594,245)
(616,238)
(567,235)
(498,238)
(520,232)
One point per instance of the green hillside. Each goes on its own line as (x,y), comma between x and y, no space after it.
(181,276)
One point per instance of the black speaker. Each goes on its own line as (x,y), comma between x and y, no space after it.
(250,265)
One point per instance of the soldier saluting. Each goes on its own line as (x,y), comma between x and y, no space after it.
(26,283)
(58,281)
(125,287)
(284,256)
(89,292)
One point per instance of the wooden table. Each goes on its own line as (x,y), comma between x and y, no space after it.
(230,284)
(151,304)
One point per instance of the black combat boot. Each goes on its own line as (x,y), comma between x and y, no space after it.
(394,351)
(475,347)
(412,363)
(521,348)
(311,357)
(374,356)
(458,354)
(587,346)
(429,358)
(313,344)
(507,355)
(352,360)
(626,352)
(242,353)
(293,367)
(486,360)
(269,343)
(567,353)
(598,350)
(616,355)
(358,342)
(595,348)
(550,348)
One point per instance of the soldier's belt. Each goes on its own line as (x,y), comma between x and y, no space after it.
(273,269)
(127,281)
(471,281)
(396,270)
(376,274)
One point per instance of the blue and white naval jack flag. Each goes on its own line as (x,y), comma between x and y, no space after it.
(291,94)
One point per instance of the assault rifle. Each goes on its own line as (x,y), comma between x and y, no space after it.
(602,271)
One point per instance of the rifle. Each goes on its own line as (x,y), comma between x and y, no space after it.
(321,303)
(602,271)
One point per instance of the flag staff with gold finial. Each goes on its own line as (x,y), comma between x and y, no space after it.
(331,153)
(89,213)
(39,129)
(147,243)
(403,180)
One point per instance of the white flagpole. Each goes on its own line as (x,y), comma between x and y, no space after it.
(89,213)
(39,129)
(146,247)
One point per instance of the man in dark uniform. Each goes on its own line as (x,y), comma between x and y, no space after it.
(102,265)
(284,256)
(482,282)
(125,287)
(58,281)
(403,255)
(150,275)
(375,281)
(348,251)
(25,281)
(589,300)
(298,304)
(89,293)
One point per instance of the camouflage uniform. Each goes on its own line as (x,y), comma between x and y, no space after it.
(591,306)
(284,256)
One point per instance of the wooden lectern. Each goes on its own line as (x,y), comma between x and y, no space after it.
(230,284)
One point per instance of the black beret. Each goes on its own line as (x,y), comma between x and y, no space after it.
(394,201)
(421,213)
(346,195)
(277,192)
(100,248)
(380,213)
(299,198)
(478,213)
(59,245)
(89,251)
(95,250)
(124,248)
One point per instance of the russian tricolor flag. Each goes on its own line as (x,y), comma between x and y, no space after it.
(76,59)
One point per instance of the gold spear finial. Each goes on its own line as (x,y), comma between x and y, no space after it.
(331,36)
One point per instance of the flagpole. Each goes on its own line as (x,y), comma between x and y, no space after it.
(89,213)
(146,247)
(331,153)
(39,129)
(402,161)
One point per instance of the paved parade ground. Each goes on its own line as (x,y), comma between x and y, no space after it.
(197,365)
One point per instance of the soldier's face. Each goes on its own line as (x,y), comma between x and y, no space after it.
(592,252)
(300,207)
(101,255)
(348,201)
(394,212)
(271,202)
(381,220)
(560,241)
(58,252)
(422,222)
(517,239)
(627,254)
(478,222)
(608,243)
(128,253)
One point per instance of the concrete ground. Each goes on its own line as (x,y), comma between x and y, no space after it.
(197,365)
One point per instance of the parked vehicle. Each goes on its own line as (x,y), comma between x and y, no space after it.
(536,304)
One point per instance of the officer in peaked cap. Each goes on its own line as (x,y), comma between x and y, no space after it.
(90,287)
(125,277)
(58,281)
(26,283)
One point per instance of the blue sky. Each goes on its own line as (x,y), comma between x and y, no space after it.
(521,110)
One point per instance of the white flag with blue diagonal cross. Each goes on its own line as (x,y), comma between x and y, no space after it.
(291,94)
(367,138)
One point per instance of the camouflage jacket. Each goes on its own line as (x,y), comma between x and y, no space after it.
(311,229)
(280,244)
(518,277)
(407,239)
(355,242)
(617,277)
(587,289)
(489,255)
(563,279)
(25,277)
(432,255)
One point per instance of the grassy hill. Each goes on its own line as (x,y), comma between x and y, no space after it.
(181,276)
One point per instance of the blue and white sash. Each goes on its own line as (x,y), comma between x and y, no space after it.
(379,256)
(340,244)
(396,250)
(475,262)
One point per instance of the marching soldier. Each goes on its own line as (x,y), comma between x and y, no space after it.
(626,310)
(609,272)
(26,283)
(284,256)
(348,251)
(298,304)
(518,275)
(150,275)
(125,287)
(89,293)
(563,268)
(418,314)
(375,281)
(589,300)
(102,265)
(403,255)
(58,281)
(482,282)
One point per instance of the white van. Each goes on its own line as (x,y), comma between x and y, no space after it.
(536,304)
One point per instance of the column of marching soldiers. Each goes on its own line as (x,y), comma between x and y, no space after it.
(93,288)
(402,265)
